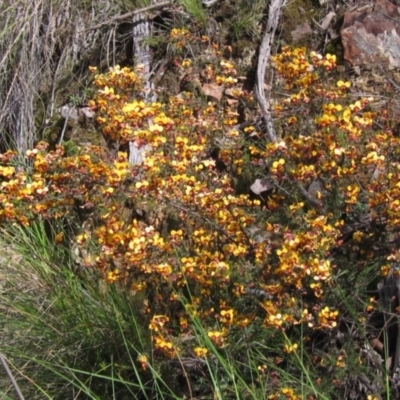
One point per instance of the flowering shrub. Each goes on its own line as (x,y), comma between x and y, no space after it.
(52,186)
(176,227)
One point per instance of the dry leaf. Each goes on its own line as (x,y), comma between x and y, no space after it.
(213,90)
(232,101)
(327,20)
(261,185)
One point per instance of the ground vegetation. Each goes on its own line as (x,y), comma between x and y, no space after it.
(252,253)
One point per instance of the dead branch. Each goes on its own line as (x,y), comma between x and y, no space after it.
(128,15)
(275,9)
(314,202)
(263,60)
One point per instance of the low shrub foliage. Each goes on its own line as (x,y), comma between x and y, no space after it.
(186,235)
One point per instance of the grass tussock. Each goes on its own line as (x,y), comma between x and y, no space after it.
(64,336)
(45,48)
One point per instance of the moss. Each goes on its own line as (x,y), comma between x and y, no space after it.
(170,85)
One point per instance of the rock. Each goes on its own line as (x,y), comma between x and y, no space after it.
(372,37)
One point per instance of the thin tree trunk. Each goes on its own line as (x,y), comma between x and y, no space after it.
(274,13)
(141,31)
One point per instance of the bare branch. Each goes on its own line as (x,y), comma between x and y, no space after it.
(128,15)
(263,60)
(313,201)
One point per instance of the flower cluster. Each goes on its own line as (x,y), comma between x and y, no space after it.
(57,186)
(181,223)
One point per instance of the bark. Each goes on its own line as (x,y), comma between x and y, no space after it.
(141,31)
(275,9)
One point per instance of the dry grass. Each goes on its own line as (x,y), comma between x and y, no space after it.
(43,45)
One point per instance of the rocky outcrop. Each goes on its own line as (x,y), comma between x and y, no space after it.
(371,35)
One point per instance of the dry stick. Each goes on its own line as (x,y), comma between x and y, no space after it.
(128,15)
(10,375)
(64,127)
(263,60)
(312,200)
